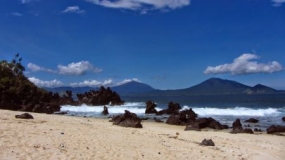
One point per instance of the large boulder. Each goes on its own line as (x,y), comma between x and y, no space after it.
(127,119)
(150,107)
(174,120)
(283,119)
(252,120)
(275,129)
(204,123)
(237,128)
(173,109)
(184,117)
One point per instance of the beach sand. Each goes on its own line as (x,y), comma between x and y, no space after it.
(65,137)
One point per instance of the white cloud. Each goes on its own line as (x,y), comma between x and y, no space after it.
(245,65)
(278,3)
(41,83)
(78,68)
(142,5)
(74,69)
(92,83)
(17,14)
(36,68)
(127,81)
(73,9)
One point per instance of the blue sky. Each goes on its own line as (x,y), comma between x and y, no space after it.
(164,43)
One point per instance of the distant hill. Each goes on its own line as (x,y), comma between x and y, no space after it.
(212,86)
(132,87)
(217,86)
(129,88)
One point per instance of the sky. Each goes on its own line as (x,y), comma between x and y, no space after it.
(167,44)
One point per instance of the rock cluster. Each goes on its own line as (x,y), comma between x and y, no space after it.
(127,119)
(101,97)
(237,128)
(173,108)
(150,107)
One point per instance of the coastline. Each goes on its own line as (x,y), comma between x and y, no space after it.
(67,137)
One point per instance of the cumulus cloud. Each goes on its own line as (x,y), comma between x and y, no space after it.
(278,3)
(78,68)
(42,83)
(92,83)
(36,68)
(245,65)
(73,69)
(142,5)
(127,81)
(73,9)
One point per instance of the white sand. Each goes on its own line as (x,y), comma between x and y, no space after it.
(63,137)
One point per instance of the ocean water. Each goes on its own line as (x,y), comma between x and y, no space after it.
(268,109)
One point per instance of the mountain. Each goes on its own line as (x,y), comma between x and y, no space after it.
(129,88)
(212,86)
(217,86)
(132,87)
(261,89)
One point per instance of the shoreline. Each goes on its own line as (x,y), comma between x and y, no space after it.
(70,137)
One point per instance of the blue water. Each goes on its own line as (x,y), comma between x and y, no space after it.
(268,109)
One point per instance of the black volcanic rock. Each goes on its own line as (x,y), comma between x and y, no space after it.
(248,130)
(252,120)
(207,142)
(173,108)
(105,111)
(283,119)
(150,107)
(24,116)
(102,96)
(127,119)
(182,118)
(275,129)
(237,127)
(201,123)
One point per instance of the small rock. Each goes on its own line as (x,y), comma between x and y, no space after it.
(208,142)
(24,116)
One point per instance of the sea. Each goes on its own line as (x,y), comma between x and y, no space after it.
(268,109)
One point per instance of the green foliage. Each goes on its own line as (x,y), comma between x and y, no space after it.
(14,82)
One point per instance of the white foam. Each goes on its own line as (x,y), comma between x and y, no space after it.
(139,108)
(134,107)
(235,111)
